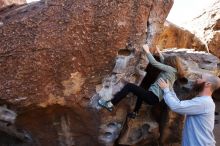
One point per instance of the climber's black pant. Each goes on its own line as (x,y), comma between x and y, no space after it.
(142,95)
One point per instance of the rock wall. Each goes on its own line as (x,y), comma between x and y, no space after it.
(173,36)
(4,3)
(206,27)
(58,57)
(62,52)
(59,125)
(156,20)
(65,48)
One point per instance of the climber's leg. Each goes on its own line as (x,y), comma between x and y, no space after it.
(128,88)
(136,90)
(148,97)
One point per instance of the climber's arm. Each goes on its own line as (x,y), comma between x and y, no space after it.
(160,54)
(155,63)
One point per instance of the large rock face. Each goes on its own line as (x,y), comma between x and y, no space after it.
(206,27)
(57,58)
(57,53)
(173,36)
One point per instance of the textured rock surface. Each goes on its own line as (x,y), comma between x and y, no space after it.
(124,70)
(157,17)
(61,52)
(207,26)
(61,126)
(57,58)
(173,36)
(65,49)
(4,3)
(76,126)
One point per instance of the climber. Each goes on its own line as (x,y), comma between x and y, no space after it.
(171,69)
(199,111)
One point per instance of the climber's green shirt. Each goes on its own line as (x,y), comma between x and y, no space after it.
(167,73)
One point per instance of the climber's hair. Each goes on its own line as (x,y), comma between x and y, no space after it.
(176,63)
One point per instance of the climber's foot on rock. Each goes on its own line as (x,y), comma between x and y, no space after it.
(107,105)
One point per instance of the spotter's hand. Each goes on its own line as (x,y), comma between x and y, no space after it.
(163,84)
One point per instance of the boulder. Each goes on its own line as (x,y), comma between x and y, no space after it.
(4,3)
(58,57)
(206,27)
(174,36)
(56,52)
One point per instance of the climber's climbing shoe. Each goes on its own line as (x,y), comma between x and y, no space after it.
(105,104)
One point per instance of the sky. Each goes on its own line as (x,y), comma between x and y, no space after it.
(185,10)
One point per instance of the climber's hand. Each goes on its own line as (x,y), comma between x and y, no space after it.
(146,48)
(163,84)
(158,49)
